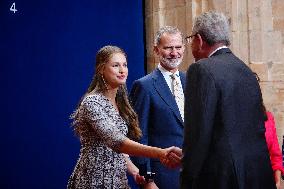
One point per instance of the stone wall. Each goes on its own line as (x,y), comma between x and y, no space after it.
(257,38)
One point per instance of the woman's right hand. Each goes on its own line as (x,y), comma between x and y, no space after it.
(171,157)
(140,180)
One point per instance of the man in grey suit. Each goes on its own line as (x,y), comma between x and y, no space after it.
(224,143)
(158,100)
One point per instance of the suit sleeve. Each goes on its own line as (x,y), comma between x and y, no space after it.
(200,107)
(140,100)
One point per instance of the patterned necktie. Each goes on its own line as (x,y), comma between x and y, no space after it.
(178,94)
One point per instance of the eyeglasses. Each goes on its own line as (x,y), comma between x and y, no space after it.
(190,38)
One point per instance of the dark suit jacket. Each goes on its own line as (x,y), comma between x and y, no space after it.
(224,142)
(160,122)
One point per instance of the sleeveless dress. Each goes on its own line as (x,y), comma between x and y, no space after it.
(102,131)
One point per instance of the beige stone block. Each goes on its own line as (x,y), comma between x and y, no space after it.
(158,20)
(149,35)
(235,18)
(205,6)
(167,4)
(167,17)
(266,15)
(280,98)
(279,124)
(254,15)
(157,4)
(150,64)
(277,9)
(278,112)
(276,73)
(148,7)
(244,47)
(255,46)
(187,59)
(199,6)
(239,18)
(268,93)
(278,24)
(282,52)
(272,46)
(174,17)
(196,8)
(239,45)
(261,70)
(189,18)
(260,15)
(180,18)
(235,44)
(224,6)
(184,66)
(265,46)
(273,95)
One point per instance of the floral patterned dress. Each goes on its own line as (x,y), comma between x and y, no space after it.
(102,131)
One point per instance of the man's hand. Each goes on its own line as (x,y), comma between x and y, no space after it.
(150,185)
(172,157)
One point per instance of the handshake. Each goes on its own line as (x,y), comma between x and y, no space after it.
(171,157)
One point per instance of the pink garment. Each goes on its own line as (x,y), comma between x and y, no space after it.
(272,143)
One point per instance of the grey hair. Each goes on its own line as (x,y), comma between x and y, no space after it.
(213,27)
(169,30)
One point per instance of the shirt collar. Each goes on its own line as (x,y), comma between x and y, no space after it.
(222,47)
(166,72)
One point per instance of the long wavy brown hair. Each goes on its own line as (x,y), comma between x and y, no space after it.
(98,85)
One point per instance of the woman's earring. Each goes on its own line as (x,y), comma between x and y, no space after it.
(106,85)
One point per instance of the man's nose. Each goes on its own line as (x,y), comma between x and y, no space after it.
(174,51)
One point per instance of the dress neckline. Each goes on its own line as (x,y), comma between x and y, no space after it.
(108,101)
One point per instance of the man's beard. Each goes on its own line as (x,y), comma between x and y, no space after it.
(171,63)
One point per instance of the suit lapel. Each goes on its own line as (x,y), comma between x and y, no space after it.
(164,92)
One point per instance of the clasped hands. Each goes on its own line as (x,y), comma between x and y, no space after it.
(171,157)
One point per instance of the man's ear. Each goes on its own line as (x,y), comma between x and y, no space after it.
(156,50)
(200,41)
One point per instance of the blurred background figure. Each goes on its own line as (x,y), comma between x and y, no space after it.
(275,154)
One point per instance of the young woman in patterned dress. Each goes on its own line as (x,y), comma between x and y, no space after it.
(107,127)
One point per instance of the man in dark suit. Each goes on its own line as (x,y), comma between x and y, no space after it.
(159,102)
(224,143)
